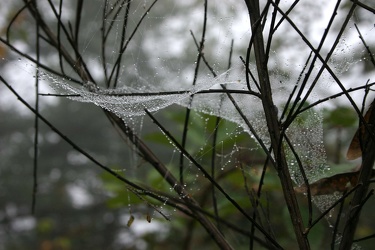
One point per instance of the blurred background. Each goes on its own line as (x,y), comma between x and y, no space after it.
(79,206)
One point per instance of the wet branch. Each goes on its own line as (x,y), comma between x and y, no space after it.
(273,124)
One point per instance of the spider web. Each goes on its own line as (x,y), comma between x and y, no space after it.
(145,82)
(156,72)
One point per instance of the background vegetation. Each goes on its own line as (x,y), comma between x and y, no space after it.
(229,84)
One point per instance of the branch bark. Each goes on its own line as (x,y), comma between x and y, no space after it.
(368,159)
(273,124)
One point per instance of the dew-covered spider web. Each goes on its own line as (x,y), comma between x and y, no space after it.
(156,72)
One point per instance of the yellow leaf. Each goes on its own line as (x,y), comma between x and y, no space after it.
(130,221)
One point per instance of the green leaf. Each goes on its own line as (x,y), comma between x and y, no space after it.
(157,137)
(120,194)
(341,117)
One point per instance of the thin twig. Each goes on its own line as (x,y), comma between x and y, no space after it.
(210,68)
(79,63)
(196,70)
(271,32)
(364,238)
(290,116)
(122,43)
(123,49)
(14,18)
(328,210)
(249,72)
(366,46)
(337,222)
(36,126)
(251,128)
(304,177)
(367,85)
(286,108)
(59,38)
(209,177)
(69,141)
(364,6)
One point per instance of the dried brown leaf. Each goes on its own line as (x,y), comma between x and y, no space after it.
(335,183)
(330,185)
(354,150)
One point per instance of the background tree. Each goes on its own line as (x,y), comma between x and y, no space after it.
(239,162)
